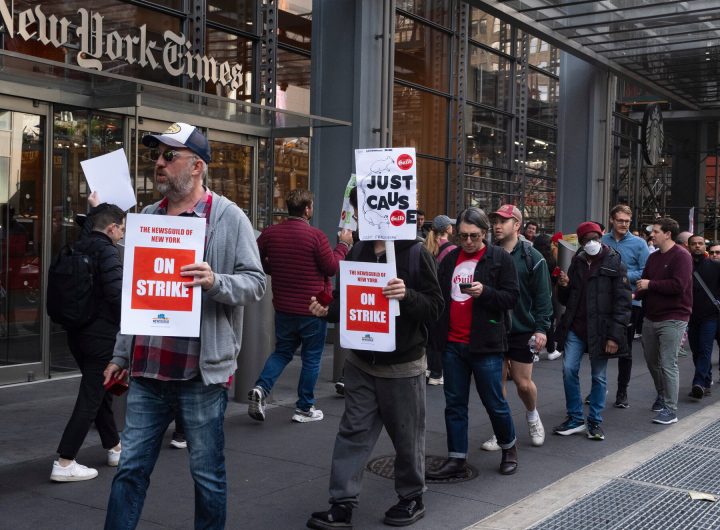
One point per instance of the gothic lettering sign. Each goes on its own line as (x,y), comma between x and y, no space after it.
(176,57)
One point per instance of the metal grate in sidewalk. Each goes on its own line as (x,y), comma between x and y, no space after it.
(708,437)
(673,466)
(672,510)
(605,508)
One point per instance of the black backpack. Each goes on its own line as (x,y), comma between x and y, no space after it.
(71,300)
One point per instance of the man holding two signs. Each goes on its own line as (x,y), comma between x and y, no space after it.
(187,376)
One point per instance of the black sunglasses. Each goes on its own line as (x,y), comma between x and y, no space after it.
(168,155)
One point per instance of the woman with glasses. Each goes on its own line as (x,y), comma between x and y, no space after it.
(480,286)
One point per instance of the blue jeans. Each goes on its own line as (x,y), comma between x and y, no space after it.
(151,406)
(292,331)
(701,335)
(575,348)
(458,366)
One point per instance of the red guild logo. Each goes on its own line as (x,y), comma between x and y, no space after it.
(397,218)
(404,162)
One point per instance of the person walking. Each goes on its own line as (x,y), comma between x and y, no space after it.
(92,346)
(634,253)
(479,285)
(181,375)
(439,245)
(597,299)
(299,259)
(666,291)
(385,389)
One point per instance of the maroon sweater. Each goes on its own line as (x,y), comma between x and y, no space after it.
(300,261)
(670,292)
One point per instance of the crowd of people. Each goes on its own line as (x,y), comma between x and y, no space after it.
(480,299)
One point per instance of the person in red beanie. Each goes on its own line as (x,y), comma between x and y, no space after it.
(597,299)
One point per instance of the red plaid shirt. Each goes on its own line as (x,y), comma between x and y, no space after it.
(170,358)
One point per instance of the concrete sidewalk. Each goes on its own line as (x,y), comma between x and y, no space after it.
(278,470)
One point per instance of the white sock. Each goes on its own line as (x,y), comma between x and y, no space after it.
(532,415)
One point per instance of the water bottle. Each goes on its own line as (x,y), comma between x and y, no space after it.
(532,344)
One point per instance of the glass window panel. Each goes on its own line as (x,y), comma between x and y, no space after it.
(437,11)
(490,31)
(292,162)
(546,57)
(488,188)
(296,7)
(238,14)
(295,29)
(293,82)
(431,186)
(543,95)
(421,54)
(541,155)
(420,121)
(488,78)
(235,50)
(487,138)
(230,171)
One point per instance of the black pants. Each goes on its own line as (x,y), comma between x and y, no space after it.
(625,363)
(93,403)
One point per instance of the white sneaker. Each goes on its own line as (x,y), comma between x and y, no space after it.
(302,416)
(554,355)
(436,380)
(113,457)
(537,432)
(72,473)
(490,444)
(256,404)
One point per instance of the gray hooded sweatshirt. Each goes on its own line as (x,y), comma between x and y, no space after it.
(232,253)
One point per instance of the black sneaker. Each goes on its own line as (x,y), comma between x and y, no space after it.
(570,426)
(178,441)
(621,400)
(338,516)
(697,392)
(594,432)
(658,405)
(340,387)
(405,512)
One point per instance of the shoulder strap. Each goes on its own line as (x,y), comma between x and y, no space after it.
(527,254)
(714,301)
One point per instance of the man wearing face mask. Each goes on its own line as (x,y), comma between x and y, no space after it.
(597,299)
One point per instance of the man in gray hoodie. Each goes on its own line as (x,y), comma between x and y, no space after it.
(184,376)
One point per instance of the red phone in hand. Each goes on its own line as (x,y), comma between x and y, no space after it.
(556,272)
(324,298)
(116,387)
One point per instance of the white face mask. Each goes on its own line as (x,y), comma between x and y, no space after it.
(593,247)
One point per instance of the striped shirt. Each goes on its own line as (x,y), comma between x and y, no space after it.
(171,358)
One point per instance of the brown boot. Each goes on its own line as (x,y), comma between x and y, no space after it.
(509,462)
(452,468)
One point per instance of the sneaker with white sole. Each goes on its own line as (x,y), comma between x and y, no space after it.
(113,458)
(256,405)
(490,444)
(554,355)
(537,432)
(305,416)
(436,380)
(72,473)
(178,441)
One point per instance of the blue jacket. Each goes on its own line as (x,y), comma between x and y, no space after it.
(634,253)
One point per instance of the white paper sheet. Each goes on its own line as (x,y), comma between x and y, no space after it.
(109,175)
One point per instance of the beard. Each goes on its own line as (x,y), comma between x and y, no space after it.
(176,188)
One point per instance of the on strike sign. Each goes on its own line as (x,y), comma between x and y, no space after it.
(366,320)
(387,193)
(156,299)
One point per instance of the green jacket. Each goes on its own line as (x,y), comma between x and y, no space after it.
(534,310)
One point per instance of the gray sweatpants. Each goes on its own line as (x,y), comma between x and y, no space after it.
(372,403)
(661,342)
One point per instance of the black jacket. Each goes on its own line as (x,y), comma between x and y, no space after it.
(490,311)
(608,301)
(422,304)
(709,271)
(108,292)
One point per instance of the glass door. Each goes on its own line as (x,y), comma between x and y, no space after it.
(22,170)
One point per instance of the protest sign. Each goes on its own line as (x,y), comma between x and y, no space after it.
(346,215)
(155,299)
(366,320)
(109,175)
(387,196)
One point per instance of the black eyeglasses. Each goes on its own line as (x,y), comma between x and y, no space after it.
(168,156)
(713,252)
(474,236)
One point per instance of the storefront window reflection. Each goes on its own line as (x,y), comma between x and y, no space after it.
(543,93)
(487,138)
(292,157)
(420,121)
(230,172)
(437,11)
(488,79)
(421,54)
(238,14)
(235,50)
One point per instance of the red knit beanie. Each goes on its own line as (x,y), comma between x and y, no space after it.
(587,227)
